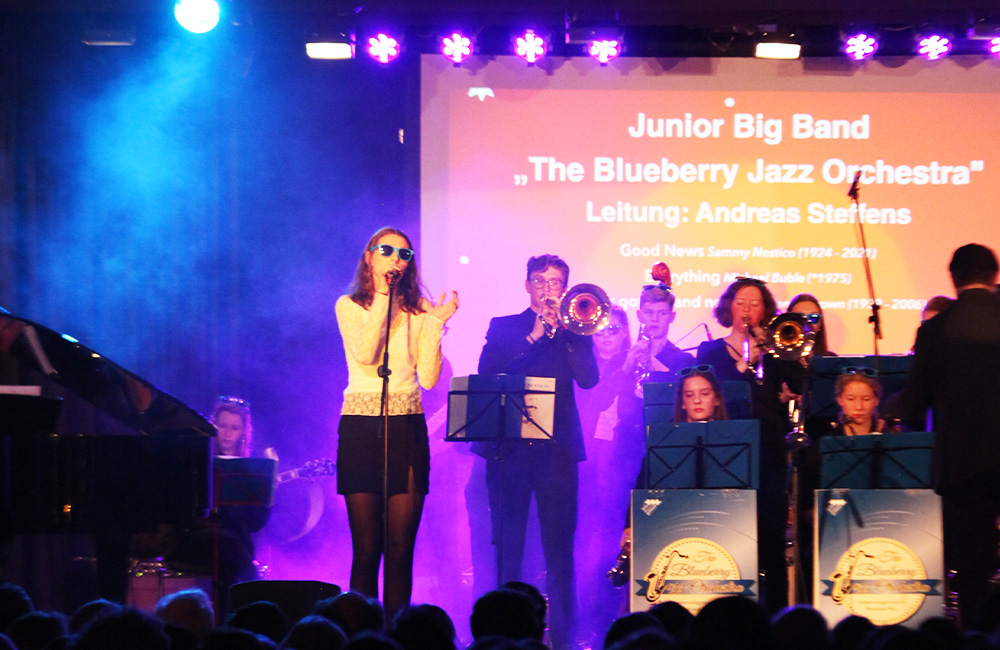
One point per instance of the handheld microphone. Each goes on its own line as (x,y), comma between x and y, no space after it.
(393,276)
(853,192)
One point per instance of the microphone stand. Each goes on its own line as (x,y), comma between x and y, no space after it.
(796,442)
(384,372)
(874,319)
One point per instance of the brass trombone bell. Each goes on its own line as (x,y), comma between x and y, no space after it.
(791,336)
(585,309)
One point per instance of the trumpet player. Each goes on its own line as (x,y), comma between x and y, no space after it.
(535,343)
(652,353)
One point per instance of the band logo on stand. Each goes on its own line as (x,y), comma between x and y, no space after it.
(881,579)
(693,571)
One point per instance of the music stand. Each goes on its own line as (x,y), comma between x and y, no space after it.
(238,482)
(703,455)
(502,409)
(887,461)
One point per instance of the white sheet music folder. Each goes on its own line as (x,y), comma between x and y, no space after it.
(475,413)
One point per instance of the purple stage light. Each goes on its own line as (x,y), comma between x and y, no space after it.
(934,47)
(383,48)
(994,47)
(456,47)
(860,46)
(605,50)
(531,47)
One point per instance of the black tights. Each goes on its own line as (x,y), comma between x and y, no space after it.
(364,512)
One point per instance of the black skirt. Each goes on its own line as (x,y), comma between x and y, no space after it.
(361,449)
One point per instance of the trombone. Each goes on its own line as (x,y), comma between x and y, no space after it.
(585,309)
(791,336)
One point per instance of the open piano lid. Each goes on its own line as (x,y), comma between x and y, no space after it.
(36,355)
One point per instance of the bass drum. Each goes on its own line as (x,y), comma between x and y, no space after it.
(298,507)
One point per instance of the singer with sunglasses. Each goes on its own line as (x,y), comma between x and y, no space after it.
(535,343)
(363,452)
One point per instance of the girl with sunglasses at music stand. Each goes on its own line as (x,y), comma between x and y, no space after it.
(699,399)
(384,508)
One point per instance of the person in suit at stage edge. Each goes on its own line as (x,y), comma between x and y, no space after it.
(956,371)
(374,496)
(535,343)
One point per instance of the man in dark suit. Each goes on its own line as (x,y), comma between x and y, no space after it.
(535,343)
(956,372)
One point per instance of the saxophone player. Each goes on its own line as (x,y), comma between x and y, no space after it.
(652,357)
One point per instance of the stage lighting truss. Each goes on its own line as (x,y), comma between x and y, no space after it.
(456,47)
(774,42)
(332,45)
(383,47)
(933,46)
(605,50)
(530,46)
(860,46)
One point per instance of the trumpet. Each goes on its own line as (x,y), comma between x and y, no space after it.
(791,336)
(585,309)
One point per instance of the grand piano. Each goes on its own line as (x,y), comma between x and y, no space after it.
(96,450)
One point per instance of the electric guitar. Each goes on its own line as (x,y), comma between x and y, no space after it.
(312,469)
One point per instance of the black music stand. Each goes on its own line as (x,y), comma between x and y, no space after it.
(886,461)
(243,481)
(27,413)
(238,482)
(503,409)
(703,455)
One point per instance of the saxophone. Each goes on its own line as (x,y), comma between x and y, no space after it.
(642,364)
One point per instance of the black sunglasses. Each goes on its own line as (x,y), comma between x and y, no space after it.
(856,370)
(405,254)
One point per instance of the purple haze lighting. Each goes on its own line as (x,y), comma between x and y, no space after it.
(456,47)
(530,46)
(994,47)
(383,48)
(605,50)
(860,46)
(934,47)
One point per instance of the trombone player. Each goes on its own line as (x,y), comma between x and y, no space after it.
(537,343)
